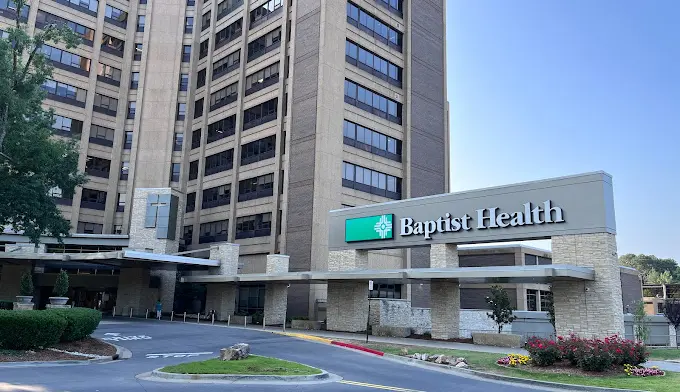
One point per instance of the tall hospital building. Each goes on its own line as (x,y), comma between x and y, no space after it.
(263,114)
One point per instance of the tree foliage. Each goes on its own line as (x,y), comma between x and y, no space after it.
(550,307)
(32,161)
(652,268)
(26,284)
(671,309)
(501,309)
(641,322)
(61,284)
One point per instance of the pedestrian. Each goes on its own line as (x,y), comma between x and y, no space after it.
(159,308)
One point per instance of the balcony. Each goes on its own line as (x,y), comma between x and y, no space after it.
(224,102)
(70,101)
(261,86)
(259,121)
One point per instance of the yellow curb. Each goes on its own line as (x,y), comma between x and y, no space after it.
(306,337)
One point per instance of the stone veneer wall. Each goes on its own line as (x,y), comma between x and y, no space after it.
(390,312)
(347,306)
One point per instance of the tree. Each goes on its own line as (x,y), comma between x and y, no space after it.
(61,284)
(32,162)
(671,309)
(26,284)
(640,322)
(657,277)
(501,309)
(550,307)
(647,264)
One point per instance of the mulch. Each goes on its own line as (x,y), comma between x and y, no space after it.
(453,340)
(85,346)
(565,367)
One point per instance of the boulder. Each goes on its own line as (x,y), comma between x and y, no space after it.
(404,351)
(462,365)
(235,352)
(424,357)
(434,358)
(442,359)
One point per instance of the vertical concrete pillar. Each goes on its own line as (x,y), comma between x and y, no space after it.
(133,291)
(276,294)
(227,255)
(221,297)
(590,308)
(166,293)
(347,302)
(444,294)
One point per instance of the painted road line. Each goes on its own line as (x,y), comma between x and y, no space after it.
(376,386)
(306,337)
(175,355)
(114,337)
(357,347)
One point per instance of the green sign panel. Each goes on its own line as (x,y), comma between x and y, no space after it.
(378,227)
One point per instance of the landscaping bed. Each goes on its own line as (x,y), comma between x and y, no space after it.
(252,365)
(93,347)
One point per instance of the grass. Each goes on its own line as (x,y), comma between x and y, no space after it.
(253,365)
(661,354)
(487,362)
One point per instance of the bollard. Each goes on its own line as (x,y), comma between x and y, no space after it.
(185,317)
(228,320)
(146,316)
(114,312)
(198,318)
(263,322)
(245,321)
(172,315)
(130,312)
(213,318)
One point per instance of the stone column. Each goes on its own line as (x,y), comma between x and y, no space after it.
(276,294)
(347,302)
(444,294)
(227,255)
(588,308)
(221,297)
(133,290)
(166,293)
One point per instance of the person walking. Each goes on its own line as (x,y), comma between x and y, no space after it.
(159,308)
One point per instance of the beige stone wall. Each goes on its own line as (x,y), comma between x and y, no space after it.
(134,292)
(443,256)
(588,308)
(275,303)
(445,295)
(227,254)
(347,260)
(347,306)
(143,238)
(221,297)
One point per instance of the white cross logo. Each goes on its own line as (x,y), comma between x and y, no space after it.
(383,226)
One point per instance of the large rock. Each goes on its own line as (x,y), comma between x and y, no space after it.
(235,352)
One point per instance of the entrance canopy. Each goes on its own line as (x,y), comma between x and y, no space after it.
(123,258)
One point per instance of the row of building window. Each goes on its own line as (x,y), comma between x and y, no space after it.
(369,140)
(265,11)
(250,226)
(370,62)
(252,152)
(373,102)
(262,78)
(249,189)
(256,48)
(358,17)
(226,7)
(370,181)
(8,8)
(45,18)
(223,96)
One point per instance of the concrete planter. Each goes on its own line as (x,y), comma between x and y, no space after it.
(58,300)
(241,320)
(24,299)
(305,324)
(497,339)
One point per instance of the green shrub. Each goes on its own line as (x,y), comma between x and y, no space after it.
(80,322)
(544,352)
(30,329)
(61,284)
(26,284)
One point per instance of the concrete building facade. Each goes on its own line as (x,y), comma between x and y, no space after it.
(260,115)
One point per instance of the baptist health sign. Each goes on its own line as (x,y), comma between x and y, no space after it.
(580,204)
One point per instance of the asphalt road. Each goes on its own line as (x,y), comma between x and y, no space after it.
(155,338)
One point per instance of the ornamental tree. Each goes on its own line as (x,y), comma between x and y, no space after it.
(32,161)
(26,284)
(671,309)
(501,309)
(61,284)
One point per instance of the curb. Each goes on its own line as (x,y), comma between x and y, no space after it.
(357,347)
(158,375)
(510,379)
(121,353)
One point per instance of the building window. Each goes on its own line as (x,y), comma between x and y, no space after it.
(200,78)
(371,181)
(66,126)
(264,12)
(256,187)
(198,108)
(138,52)
(113,45)
(395,6)
(222,161)
(89,228)
(181,111)
(186,53)
(97,167)
(191,3)
(196,139)
(258,150)
(45,19)
(183,82)
(251,298)
(120,207)
(134,81)
(115,16)
(221,129)
(205,21)
(260,114)
(372,63)
(217,196)
(224,96)
(66,93)
(203,49)
(251,226)
(226,7)
(188,25)
(66,60)
(141,23)
(101,135)
(213,231)
(372,102)
(179,141)
(86,6)
(187,237)
(131,110)
(191,202)
(532,300)
(228,34)
(226,64)
(127,143)
(262,79)
(193,170)
(385,290)
(538,301)
(124,170)
(374,26)
(117,229)
(369,140)
(93,199)
(108,74)
(175,171)
(106,105)
(264,44)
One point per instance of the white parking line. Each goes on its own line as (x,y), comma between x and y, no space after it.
(175,355)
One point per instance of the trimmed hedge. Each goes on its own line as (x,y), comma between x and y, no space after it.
(80,322)
(30,329)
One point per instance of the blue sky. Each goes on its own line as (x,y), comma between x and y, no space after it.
(546,88)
